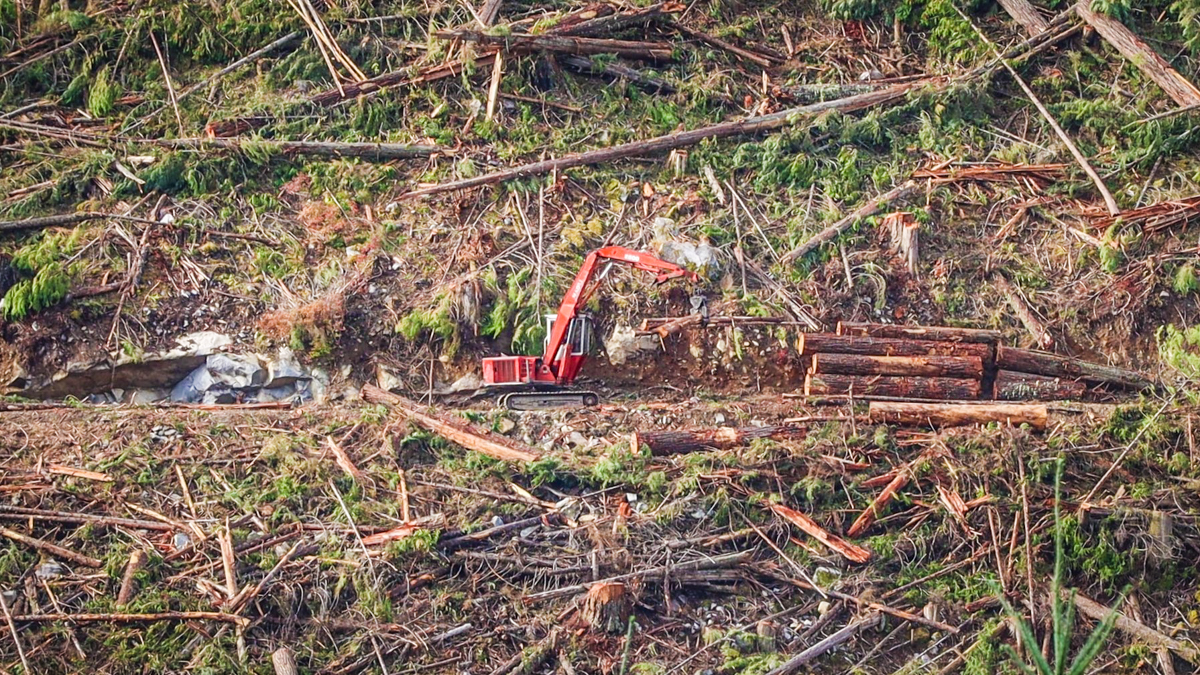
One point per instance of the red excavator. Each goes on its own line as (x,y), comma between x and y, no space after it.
(540,382)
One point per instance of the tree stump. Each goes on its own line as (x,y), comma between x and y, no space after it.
(606,607)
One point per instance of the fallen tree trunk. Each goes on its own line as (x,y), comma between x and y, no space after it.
(1030,320)
(379,151)
(564,44)
(956,415)
(922,366)
(1027,15)
(663,443)
(1014,386)
(760,60)
(938,333)
(1141,55)
(939,388)
(831,343)
(612,22)
(866,210)
(659,144)
(617,71)
(1136,629)
(1053,365)
(455,430)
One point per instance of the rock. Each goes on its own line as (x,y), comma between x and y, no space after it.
(148,371)
(505,425)
(285,369)
(50,570)
(146,396)
(181,540)
(318,386)
(386,380)
(625,343)
(273,394)
(219,380)
(469,382)
(577,440)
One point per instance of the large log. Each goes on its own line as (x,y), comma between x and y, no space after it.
(619,71)
(956,415)
(938,333)
(831,343)
(922,366)
(1026,15)
(868,209)
(939,388)
(680,139)
(1141,55)
(1013,386)
(1053,365)
(455,430)
(722,438)
(611,23)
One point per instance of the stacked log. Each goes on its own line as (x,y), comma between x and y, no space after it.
(874,360)
(941,363)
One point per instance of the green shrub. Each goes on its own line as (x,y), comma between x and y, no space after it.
(1180,349)
(103,94)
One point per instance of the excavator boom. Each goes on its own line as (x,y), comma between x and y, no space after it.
(560,362)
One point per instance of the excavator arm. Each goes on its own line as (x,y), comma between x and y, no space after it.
(582,289)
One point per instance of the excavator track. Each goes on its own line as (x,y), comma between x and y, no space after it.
(548,400)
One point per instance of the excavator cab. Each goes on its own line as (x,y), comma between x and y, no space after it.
(579,336)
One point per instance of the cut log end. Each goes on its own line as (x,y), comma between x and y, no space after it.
(606,607)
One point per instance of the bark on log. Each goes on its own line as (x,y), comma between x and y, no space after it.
(1141,55)
(51,549)
(831,343)
(1027,15)
(1053,365)
(810,527)
(938,333)
(47,221)
(376,151)
(128,589)
(610,24)
(617,71)
(760,60)
(563,44)
(866,210)
(1097,612)
(1013,386)
(662,443)
(681,139)
(1030,320)
(952,415)
(939,388)
(284,662)
(455,430)
(606,607)
(970,367)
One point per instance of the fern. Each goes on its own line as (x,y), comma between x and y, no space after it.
(1187,13)
(1180,349)
(103,94)
(47,288)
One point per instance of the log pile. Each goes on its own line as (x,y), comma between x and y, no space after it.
(938,363)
